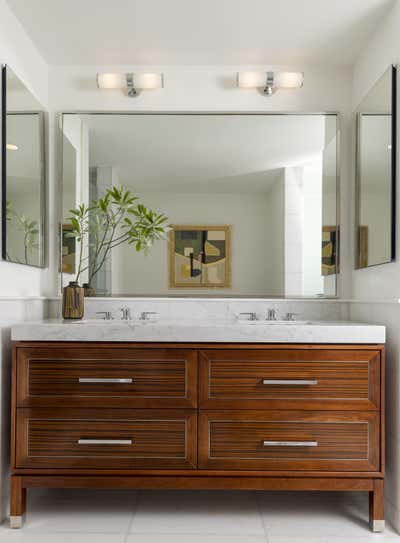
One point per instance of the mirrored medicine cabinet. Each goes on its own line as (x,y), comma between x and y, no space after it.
(375,212)
(23,173)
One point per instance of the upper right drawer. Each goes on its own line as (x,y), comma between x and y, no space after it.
(337,379)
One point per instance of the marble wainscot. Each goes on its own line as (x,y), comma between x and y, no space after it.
(210,309)
(197,330)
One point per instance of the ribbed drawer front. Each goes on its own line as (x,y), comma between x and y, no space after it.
(108,439)
(94,377)
(286,379)
(289,441)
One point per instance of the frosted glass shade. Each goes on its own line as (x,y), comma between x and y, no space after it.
(148,81)
(251,80)
(288,80)
(111,81)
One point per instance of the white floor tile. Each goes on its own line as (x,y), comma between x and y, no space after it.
(194,538)
(197,512)
(298,539)
(101,511)
(313,514)
(22,536)
(106,516)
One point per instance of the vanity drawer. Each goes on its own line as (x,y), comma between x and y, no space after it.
(298,378)
(291,440)
(106,439)
(116,376)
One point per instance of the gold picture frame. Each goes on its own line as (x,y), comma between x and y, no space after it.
(200,256)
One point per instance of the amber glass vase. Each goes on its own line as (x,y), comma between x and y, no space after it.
(73,300)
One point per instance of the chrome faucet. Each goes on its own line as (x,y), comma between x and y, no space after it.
(271,315)
(145,315)
(252,315)
(126,313)
(107,315)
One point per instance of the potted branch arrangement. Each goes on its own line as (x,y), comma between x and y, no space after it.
(108,222)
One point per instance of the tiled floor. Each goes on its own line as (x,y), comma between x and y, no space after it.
(93,516)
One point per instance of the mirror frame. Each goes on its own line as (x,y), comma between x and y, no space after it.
(393,193)
(60,186)
(43,178)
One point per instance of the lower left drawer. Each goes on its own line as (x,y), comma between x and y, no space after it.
(106,439)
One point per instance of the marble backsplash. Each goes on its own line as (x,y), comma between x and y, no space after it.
(209,309)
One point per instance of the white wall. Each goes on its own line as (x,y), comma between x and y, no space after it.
(17,50)
(379,287)
(379,283)
(211,88)
(17,281)
(247,214)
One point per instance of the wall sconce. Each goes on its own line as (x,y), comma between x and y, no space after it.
(270,82)
(11,147)
(134,83)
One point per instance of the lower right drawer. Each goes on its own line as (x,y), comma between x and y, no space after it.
(289,440)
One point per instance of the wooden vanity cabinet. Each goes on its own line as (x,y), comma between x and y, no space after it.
(200,416)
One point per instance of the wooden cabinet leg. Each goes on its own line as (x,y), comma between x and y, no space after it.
(376,506)
(18,502)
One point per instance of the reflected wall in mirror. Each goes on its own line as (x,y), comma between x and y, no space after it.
(376,174)
(272,179)
(23,173)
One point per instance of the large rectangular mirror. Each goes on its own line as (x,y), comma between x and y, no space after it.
(251,200)
(23,173)
(376,174)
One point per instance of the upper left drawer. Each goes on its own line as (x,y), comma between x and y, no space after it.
(83,375)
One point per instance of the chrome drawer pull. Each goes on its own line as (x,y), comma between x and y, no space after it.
(292,382)
(103,380)
(105,442)
(290,443)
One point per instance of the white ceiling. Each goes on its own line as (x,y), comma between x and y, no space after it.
(206,153)
(78,32)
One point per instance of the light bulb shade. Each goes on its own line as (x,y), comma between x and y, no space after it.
(288,80)
(251,80)
(148,81)
(111,81)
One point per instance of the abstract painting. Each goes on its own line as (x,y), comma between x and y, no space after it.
(362,246)
(200,256)
(329,250)
(68,250)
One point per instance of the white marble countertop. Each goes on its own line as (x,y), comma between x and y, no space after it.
(198,331)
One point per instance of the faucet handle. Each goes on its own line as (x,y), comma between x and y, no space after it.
(290,316)
(251,314)
(146,315)
(107,315)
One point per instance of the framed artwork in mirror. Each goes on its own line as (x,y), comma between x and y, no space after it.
(23,173)
(68,248)
(329,250)
(375,228)
(200,256)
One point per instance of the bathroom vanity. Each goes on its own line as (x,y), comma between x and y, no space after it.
(196,414)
